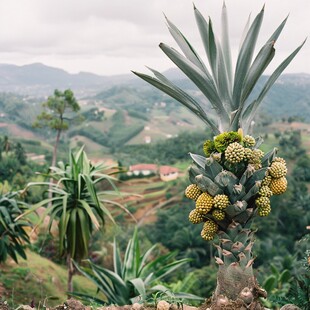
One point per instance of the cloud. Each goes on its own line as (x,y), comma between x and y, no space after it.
(108,37)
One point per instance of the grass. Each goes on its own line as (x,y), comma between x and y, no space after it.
(37,279)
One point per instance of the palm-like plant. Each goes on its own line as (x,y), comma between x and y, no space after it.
(234,182)
(75,205)
(134,278)
(12,232)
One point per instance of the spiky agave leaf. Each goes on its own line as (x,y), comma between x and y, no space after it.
(227,92)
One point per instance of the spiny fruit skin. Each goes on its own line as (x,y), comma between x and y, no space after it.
(218,214)
(210,226)
(278,186)
(192,191)
(195,217)
(265,191)
(221,202)
(257,153)
(262,202)
(279,160)
(249,141)
(206,236)
(266,180)
(234,153)
(248,153)
(204,203)
(264,211)
(254,158)
(277,170)
(209,230)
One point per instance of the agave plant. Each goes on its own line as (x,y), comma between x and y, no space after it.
(134,278)
(75,206)
(233,183)
(13,235)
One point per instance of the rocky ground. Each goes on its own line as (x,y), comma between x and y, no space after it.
(73,304)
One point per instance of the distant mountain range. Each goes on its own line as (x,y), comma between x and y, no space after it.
(289,96)
(39,79)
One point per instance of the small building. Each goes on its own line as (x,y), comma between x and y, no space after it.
(166,173)
(142,169)
(147,139)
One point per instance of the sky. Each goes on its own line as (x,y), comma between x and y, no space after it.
(110,37)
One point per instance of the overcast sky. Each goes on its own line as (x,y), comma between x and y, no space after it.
(115,36)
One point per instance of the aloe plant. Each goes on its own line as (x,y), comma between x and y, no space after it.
(134,278)
(75,206)
(233,183)
(13,234)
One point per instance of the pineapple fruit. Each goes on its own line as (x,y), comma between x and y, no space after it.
(233,182)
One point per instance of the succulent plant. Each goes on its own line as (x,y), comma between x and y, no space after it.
(236,178)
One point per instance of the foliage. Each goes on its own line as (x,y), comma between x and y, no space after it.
(12,231)
(182,235)
(115,137)
(12,159)
(59,110)
(228,93)
(278,283)
(56,109)
(76,206)
(299,289)
(290,142)
(164,152)
(133,278)
(39,281)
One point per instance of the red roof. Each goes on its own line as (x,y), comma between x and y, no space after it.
(141,167)
(168,170)
(153,167)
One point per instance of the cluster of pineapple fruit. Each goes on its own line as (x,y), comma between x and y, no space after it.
(251,179)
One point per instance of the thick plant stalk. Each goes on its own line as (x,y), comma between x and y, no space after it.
(236,282)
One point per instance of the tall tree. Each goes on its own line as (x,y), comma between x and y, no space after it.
(59,109)
(6,145)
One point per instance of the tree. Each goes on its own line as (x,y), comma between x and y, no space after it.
(20,153)
(233,183)
(59,109)
(6,145)
(75,206)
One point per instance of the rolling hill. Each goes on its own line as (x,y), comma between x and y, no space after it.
(133,112)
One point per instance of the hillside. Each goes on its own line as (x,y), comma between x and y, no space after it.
(47,280)
(123,110)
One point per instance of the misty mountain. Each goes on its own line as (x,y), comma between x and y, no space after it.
(40,80)
(290,96)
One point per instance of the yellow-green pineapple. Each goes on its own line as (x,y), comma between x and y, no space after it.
(235,153)
(218,215)
(277,170)
(195,217)
(221,202)
(192,191)
(278,186)
(209,230)
(248,141)
(204,203)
